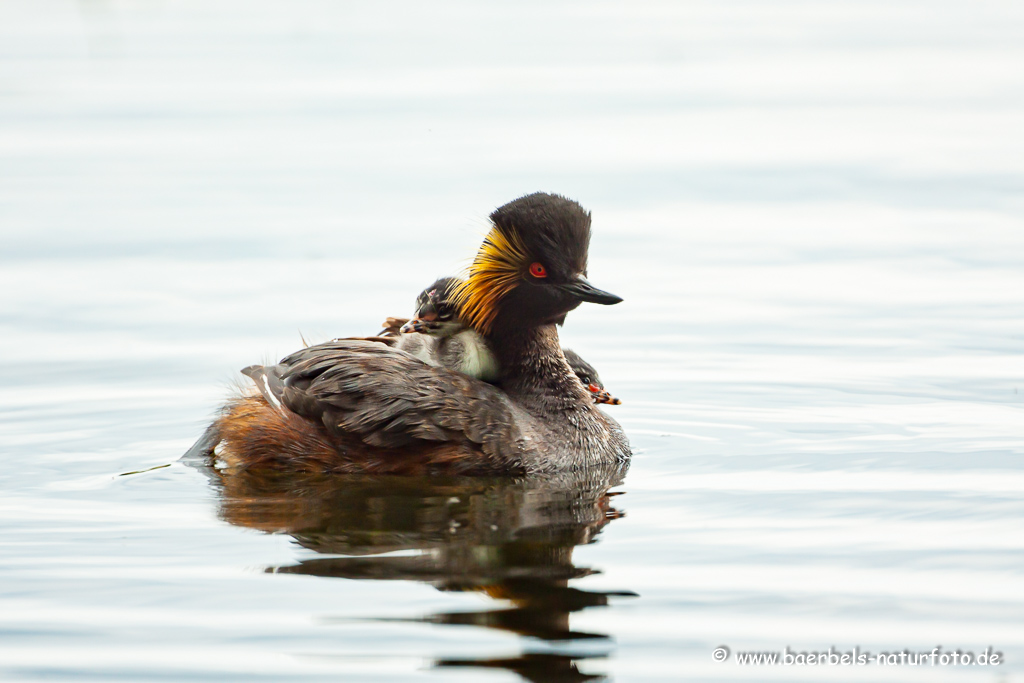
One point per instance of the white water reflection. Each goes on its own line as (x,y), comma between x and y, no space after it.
(813,212)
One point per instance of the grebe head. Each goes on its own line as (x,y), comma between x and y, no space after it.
(531,269)
(436,312)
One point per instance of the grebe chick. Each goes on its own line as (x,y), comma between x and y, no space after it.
(438,337)
(588,376)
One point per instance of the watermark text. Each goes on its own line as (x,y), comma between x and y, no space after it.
(937,656)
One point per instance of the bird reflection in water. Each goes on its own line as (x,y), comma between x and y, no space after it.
(509,538)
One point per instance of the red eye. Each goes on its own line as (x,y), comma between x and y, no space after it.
(537,270)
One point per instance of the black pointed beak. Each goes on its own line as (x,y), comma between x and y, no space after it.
(584,291)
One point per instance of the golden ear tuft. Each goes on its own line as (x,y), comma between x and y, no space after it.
(495,271)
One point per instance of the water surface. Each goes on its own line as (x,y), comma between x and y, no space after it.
(812,211)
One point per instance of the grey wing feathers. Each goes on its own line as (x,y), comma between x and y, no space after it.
(391,399)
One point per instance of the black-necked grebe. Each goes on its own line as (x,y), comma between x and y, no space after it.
(364,406)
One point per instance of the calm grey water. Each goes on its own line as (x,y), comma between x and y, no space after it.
(813,211)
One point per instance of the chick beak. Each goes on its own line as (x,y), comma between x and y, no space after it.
(584,291)
(424,316)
